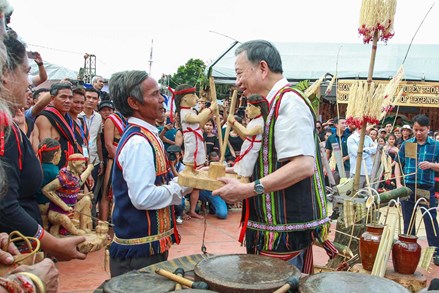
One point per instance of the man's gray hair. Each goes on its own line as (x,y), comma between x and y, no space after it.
(126,84)
(260,50)
(95,79)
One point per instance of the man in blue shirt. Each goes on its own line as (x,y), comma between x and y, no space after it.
(422,182)
(340,137)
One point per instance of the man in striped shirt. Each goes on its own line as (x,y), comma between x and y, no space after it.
(421,165)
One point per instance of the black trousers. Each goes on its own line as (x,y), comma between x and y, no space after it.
(121,266)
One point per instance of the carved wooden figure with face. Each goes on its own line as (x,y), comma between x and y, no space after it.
(256,111)
(66,199)
(192,123)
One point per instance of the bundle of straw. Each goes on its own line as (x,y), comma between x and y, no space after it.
(369,103)
(384,249)
(390,99)
(364,103)
(331,83)
(386,162)
(313,88)
(377,15)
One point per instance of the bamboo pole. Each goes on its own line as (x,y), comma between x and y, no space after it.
(413,217)
(363,127)
(229,125)
(217,117)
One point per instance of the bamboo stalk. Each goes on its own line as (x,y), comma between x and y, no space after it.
(363,127)
(343,233)
(229,125)
(427,211)
(388,248)
(382,256)
(217,117)
(378,258)
(352,230)
(388,208)
(399,209)
(412,218)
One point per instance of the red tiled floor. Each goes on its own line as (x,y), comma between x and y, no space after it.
(221,238)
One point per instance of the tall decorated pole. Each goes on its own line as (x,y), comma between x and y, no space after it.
(366,99)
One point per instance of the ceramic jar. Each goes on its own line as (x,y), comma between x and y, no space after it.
(369,242)
(406,253)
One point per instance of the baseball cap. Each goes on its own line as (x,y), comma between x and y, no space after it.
(382,130)
(106,103)
(406,127)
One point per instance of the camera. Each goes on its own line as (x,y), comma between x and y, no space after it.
(241,112)
(31,54)
(172,151)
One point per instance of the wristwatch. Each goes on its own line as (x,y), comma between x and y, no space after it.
(258,188)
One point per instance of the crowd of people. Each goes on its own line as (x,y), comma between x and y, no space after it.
(386,147)
(136,149)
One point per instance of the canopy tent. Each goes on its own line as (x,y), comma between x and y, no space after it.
(312,60)
(54,72)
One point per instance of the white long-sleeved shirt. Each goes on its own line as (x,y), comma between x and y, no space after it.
(369,150)
(137,161)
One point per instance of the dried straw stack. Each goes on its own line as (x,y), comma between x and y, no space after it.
(377,15)
(376,22)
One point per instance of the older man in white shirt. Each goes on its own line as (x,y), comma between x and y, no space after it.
(143,193)
(369,150)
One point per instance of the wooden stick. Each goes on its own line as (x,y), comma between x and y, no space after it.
(412,218)
(352,230)
(427,211)
(387,249)
(388,208)
(175,278)
(217,117)
(229,125)
(378,256)
(343,233)
(179,272)
(363,127)
(94,218)
(291,283)
(181,280)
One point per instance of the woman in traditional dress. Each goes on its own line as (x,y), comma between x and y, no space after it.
(19,208)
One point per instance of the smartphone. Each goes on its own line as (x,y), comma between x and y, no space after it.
(168,120)
(31,55)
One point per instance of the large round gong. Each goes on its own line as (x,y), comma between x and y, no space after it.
(244,272)
(194,291)
(139,282)
(337,282)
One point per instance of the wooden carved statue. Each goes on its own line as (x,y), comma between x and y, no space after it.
(256,111)
(49,153)
(192,123)
(66,199)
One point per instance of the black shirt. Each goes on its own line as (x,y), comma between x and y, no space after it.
(212,144)
(236,143)
(18,208)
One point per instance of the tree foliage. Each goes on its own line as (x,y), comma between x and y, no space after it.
(193,73)
(314,99)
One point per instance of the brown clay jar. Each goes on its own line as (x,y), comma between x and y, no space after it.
(406,253)
(369,242)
